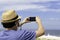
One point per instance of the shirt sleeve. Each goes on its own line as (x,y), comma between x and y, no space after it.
(29,35)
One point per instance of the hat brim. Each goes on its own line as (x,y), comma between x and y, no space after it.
(4,21)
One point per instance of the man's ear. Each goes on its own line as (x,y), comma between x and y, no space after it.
(17,23)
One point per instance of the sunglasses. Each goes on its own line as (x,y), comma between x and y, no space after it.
(19,20)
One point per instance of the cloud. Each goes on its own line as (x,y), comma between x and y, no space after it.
(18,7)
(12,4)
(26,7)
(54,19)
(23,7)
(51,10)
(23,1)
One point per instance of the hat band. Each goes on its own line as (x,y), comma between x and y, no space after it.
(14,18)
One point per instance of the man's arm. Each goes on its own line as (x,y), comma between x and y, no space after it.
(40,31)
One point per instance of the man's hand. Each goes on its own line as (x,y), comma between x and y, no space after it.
(38,19)
(25,21)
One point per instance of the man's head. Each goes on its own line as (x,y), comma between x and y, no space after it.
(10,19)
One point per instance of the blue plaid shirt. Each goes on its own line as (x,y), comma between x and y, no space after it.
(17,35)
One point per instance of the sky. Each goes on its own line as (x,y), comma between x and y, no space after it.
(47,10)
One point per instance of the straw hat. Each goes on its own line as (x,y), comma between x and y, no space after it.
(9,16)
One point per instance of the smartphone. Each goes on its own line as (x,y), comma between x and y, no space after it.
(32,18)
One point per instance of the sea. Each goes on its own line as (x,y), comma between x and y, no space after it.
(52,32)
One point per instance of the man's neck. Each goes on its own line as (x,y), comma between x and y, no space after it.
(13,28)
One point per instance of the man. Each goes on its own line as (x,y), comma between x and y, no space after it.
(10,21)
